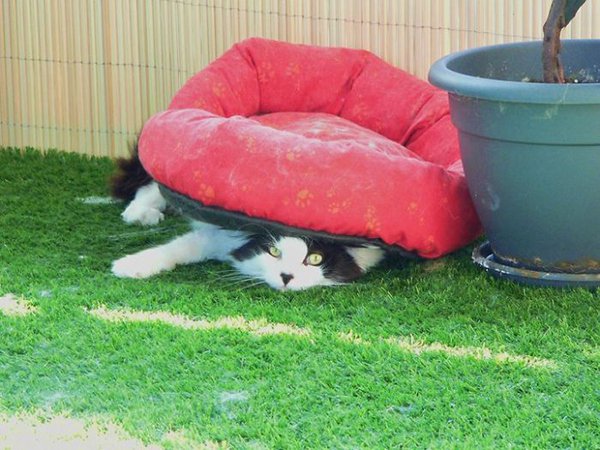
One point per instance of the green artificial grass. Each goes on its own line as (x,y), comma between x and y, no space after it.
(415,355)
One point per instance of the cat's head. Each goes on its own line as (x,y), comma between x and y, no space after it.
(296,263)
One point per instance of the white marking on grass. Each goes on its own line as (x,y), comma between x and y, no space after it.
(481,353)
(352,338)
(256,327)
(95,200)
(417,347)
(12,306)
(26,431)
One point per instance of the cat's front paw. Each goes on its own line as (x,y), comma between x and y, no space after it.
(140,265)
(142,214)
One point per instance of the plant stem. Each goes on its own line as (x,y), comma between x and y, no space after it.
(553,70)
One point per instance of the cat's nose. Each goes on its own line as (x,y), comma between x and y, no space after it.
(286,277)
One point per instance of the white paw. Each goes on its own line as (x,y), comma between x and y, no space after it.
(140,265)
(144,215)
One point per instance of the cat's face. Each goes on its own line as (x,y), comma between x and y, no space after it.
(294,263)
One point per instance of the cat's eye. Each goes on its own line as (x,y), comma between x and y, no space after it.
(274,251)
(314,259)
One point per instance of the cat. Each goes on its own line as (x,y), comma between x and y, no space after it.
(280,261)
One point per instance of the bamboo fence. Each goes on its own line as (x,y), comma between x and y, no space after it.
(84,75)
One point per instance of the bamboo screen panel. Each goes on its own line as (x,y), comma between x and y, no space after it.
(84,75)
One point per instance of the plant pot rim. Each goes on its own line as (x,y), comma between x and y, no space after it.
(446,74)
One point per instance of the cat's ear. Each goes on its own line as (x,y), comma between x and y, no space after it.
(366,257)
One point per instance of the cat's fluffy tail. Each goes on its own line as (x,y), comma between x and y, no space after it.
(129,176)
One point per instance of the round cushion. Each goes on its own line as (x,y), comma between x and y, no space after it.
(330,140)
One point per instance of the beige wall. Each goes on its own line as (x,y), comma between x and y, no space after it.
(84,75)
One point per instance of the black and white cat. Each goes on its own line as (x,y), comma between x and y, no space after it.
(282,262)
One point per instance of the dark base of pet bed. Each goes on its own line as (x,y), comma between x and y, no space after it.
(234,220)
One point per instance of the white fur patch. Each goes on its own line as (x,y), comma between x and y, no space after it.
(147,207)
(366,257)
(142,265)
(205,242)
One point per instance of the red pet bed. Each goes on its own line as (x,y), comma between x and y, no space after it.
(326,140)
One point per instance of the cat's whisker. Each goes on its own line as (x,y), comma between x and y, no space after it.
(249,286)
(233,276)
(246,283)
(271,235)
(236,281)
(251,228)
(242,281)
(227,271)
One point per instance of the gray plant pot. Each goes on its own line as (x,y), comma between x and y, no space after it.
(531,153)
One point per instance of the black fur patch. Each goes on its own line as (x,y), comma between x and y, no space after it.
(338,264)
(256,245)
(129,176)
